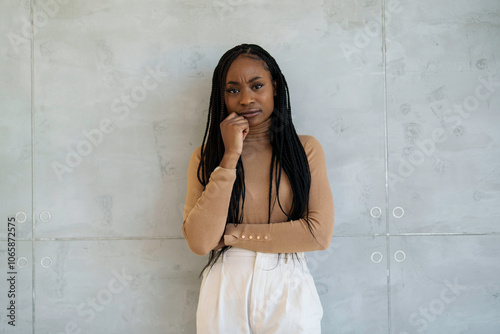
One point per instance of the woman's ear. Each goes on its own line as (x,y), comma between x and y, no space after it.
(274,87)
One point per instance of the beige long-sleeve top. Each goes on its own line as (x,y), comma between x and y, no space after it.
(205,212)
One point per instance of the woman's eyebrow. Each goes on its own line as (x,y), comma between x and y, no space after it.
(237,83)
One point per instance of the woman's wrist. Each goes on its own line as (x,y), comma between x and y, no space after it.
(229,160)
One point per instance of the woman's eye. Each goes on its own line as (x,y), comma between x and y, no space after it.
(232,91)
(258,86)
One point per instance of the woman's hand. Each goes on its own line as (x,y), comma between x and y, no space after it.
(234,129)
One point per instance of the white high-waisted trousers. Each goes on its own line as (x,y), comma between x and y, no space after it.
(249,292)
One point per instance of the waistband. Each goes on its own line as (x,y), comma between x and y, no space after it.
(235,251)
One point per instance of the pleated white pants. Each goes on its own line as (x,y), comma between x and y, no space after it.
(249,292)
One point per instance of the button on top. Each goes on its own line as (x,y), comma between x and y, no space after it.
(266,237)
(250,237)
(242,236)
(258,237)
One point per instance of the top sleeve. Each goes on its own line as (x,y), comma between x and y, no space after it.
(205,211)
(294,236)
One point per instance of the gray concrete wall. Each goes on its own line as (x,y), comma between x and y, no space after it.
(103,102)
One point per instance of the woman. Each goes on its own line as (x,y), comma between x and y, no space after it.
(249,284)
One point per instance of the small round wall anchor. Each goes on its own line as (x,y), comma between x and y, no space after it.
(399,256)
(378,257)
(45,216)
(375,212)
(22,262)
(21,217)
(398,212)
(46,262)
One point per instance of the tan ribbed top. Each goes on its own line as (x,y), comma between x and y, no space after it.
(205,212)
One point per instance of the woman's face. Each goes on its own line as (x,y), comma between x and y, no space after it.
(249,88)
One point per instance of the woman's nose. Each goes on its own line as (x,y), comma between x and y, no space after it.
(246,97)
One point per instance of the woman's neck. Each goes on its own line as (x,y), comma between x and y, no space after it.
(260,132)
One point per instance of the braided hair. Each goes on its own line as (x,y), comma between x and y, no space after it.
(286,146)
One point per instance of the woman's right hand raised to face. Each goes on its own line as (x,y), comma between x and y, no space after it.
(234,129)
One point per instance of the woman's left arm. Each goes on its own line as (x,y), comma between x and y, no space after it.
(294,236)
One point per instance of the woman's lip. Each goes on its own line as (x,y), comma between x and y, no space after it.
(250,113)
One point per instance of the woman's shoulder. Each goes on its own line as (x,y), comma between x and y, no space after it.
(313,148)
(309,141)
(196,154)
(197,150)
